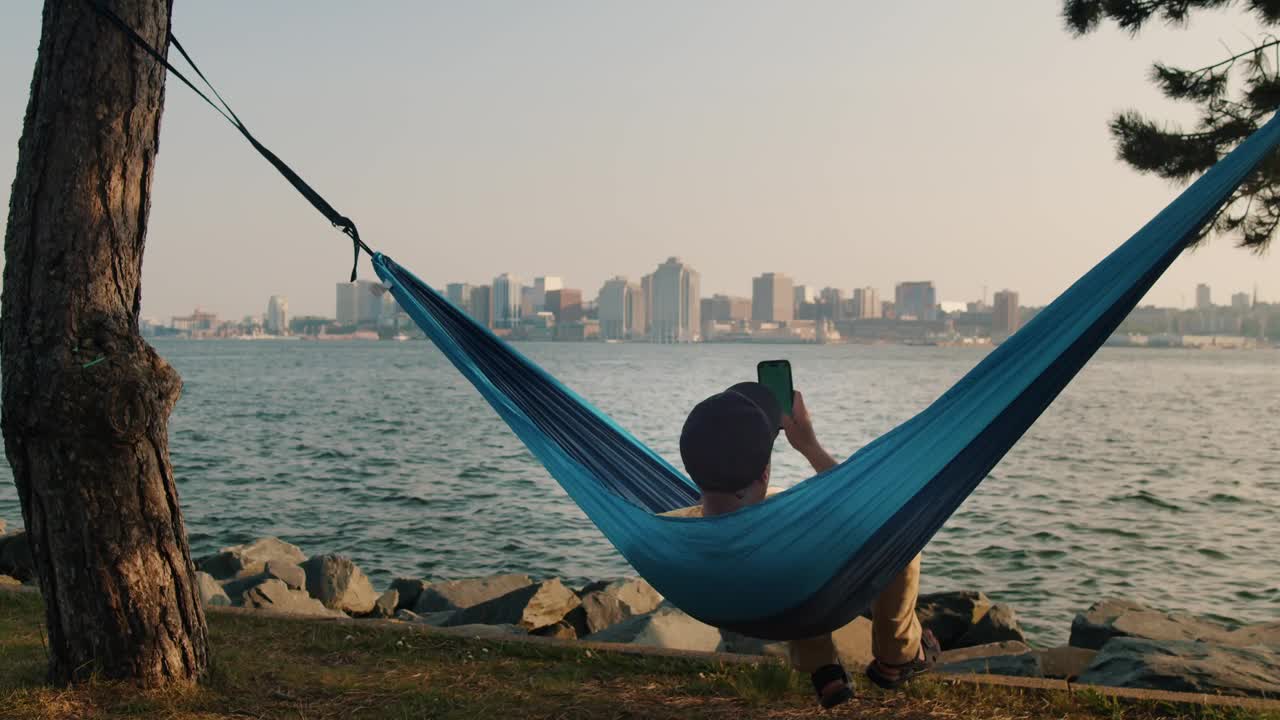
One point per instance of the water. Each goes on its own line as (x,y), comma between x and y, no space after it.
(1155,475)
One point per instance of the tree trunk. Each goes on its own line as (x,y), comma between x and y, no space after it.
(85,401)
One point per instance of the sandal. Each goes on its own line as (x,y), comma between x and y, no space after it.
(826,675)
(929,651)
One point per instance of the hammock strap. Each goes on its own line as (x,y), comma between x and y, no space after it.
(317,201)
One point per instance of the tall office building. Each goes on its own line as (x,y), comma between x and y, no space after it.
(459,294)
(831,303)
(1240,301)
(866,303)
(357,302)
(916,301)
(1204,300)
(728,309)
(533,298)
(621,309)
(772,298)
(1005,315)
(480,307)
(674,302)
(506,300)
(804,294)
(565,304)
(278,315)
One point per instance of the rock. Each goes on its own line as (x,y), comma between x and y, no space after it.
(273,594)
(732,642)
(999,624)
(211,593)
(6,581)
(15,557)
(385,607)
(489,631)
(291,575)
(1124,618)
(666,627)
(408,616)
(1002,658)
(460,594)
(1065,662)
(433,619)
(636,593)
(562,630)
(1186,666)
(951,614)
(610,605)
(531,607)
(250,559)
(337,582)
(410,590)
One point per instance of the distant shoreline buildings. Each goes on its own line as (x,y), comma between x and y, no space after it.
(666,306)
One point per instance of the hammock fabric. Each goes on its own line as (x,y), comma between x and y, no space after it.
(810,559)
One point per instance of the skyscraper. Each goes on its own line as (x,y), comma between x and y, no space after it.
(727,309)
(772,298)
(565,304)
(804,294)
(866,303)
(621,309)
(1240,301)
(674,299)
(459,294)
(506,300)
(347,309)
(1005,315)
(916,301)
(481,305)
(1204,300)
(831,303)
(368,302)
(278,315)
(533,298)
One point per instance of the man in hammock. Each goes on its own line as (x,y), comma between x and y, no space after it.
(726,445)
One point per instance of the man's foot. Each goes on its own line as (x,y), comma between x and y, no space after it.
(831,683)
(892,676)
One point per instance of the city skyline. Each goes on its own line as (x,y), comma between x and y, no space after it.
(555,138)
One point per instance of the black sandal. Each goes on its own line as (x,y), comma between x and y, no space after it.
(826,675)
(929,648)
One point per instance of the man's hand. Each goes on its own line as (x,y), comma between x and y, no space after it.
(799,429)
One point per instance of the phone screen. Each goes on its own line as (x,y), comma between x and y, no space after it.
(776,375)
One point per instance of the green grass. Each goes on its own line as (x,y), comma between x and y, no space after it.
(268,668)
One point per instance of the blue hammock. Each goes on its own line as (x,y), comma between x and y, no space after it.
(810,559)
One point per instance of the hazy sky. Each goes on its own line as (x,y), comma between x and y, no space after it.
(844,143)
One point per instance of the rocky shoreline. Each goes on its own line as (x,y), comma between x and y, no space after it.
(1114,642)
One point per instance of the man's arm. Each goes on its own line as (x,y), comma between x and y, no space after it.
(799,429)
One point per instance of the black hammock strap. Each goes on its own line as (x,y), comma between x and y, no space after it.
(317,201)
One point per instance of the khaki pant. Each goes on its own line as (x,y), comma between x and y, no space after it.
(895,631)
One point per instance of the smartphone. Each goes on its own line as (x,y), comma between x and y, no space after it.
(776,375)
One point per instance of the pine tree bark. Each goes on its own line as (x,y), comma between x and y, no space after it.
(85,400)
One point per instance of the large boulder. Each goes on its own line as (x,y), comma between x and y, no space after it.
(273,594)
(461,594)
(337,582)
(667,627)
(950,615)
(1186,666)
(609,603)
(250,559)
(291,575)
(530,607)
(1009,657)
(211,593)
(409,590)
(385,607)
(732,642)
(1124,618)
(15,557)
(998,624)
(1065,662)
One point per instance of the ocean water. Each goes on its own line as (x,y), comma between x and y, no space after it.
(1154,476)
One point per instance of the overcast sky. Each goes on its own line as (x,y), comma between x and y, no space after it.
(843,143)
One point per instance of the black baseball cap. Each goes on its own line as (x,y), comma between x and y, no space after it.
(727,439)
